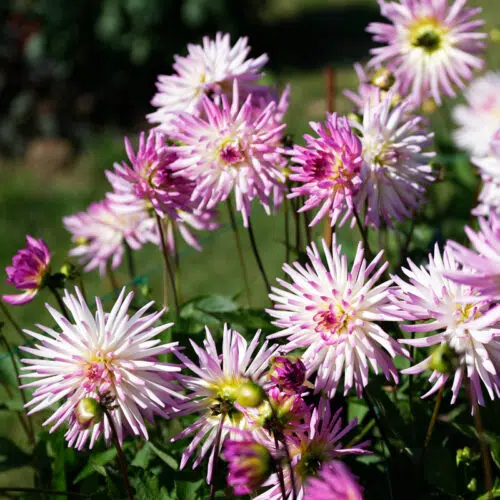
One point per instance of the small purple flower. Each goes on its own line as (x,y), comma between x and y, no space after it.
(334,482)
(250,464)
(287,372)
(328,169)
(29,268)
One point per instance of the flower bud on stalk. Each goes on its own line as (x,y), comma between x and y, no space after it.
(287,372)
(250,394)
(444,359)
(88,412)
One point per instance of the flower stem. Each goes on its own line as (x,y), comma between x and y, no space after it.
(279,470)
(378,421)
(30,429)
(218,437)
(168,272)
(59,301)
(364,235)
(257,256)
(286,203)
(307,227)
(234,227)
(12,321)
(130,262)
(298,240)
(289,460)
(434,415)
(112,279)
(121,456)
(177,268)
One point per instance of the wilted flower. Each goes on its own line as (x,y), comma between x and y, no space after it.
(250,464)
(467,324)
(396,170)
(479,119)
(208,70)
(328,169)
(111,356)
(100,234)
(232,149)
(482,266)
(334,482)
(332,312)
(430,45)
(213,390)
(318,445)
(29,268)
(287,372)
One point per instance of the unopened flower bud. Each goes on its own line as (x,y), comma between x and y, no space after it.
(464,456)
(250,394)
(444,359)
(472,486)
(287,372)
(88,412)
(70,271)
(250,464)
(383,79)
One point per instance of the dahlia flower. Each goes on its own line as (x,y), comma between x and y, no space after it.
(318,445)
(101,232)
(328,169)
(479,118)
(489,168)
(430,45)
(250,464)
(334,482)
(465,323)
(482,266)
(396,170)
(107,356)
(213,389)
(208,70)
(232,149)
(29,267)
(332,312)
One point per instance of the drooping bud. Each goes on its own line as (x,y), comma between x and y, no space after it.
(88,412)
(383,79)
(70,271)
(250,464)
(250,394)
(287,372)
(444,359)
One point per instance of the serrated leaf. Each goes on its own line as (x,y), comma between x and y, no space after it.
(96,463)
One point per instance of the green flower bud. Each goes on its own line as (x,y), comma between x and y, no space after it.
(383,79)
(70,271)
(250,394)
(88,412)
(472,486)
(444,359)
(464,456)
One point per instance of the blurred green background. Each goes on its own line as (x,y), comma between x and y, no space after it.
(77,76)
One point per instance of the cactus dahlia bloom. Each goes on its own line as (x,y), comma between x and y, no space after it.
(334,482)
(112,356)
(466,324)
(479,118)
(489,168)
(310,450)
(328,169)
(100,234)
(232,149)
(208,70)
(332,312)
(29,267)
(396,168)
(213,389)
(482,265)
(430,45)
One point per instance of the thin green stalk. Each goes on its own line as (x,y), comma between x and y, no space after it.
(237,240)
(298,239)
(81,282)
(129,255)
(12,321)
(307,227)
(434,415)
(177,268)
(286,203)
(257,256)
(279,470)
(292,475)
(378,421)
(59,301)
(364,235)
(217,444)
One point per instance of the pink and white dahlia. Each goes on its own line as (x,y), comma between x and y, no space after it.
(334,482)
(466,324)
(328,169)
(100,234)
(430,45)
(489,168)
(309,451)
(396,168)
(214,388)
(481,265)
(107,356)
(332,312)
(27,273)
(232,149)
(208,70)
(479,118)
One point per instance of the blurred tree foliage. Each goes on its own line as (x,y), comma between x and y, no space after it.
(67,65)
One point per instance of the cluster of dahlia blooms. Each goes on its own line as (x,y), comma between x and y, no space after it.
(265,412)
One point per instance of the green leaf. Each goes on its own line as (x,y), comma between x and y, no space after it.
(441,470)
(143,457)
(149,489)
(216,303)
(186,490)
(96,463)
(11,456)
(168,459)
(495,491)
